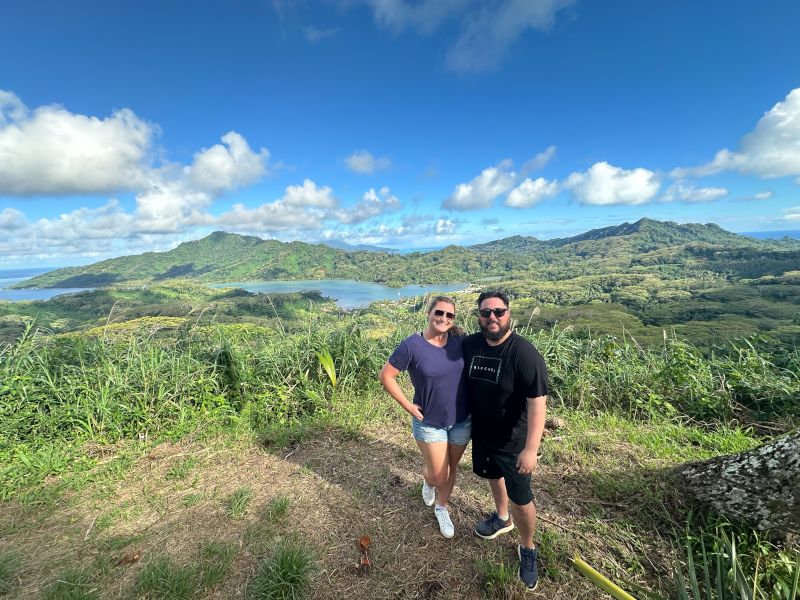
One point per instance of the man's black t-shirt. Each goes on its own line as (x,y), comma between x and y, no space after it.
(500,379)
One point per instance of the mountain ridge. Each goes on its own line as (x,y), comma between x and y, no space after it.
(223,257)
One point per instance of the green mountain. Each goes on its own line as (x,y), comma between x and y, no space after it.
(665,248)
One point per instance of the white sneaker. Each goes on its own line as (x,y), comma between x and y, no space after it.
(428,493)
(445,524)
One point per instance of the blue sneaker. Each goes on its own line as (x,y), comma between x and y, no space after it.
(528,567)
(493,526)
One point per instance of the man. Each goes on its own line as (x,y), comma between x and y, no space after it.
(507,391)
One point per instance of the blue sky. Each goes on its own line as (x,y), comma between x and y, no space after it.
(130,127)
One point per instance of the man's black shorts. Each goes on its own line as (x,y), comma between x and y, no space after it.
(494,464)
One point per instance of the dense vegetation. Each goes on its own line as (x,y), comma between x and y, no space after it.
(664,249)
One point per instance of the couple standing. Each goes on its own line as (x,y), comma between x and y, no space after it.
(491,385)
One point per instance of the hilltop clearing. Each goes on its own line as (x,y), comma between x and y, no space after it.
(206,512)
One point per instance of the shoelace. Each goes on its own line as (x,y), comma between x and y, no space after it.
(527,558)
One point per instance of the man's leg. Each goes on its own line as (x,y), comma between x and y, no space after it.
(525,520)
(498,487)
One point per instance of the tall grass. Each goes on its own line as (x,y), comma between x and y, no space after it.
(722,562)
(57,392)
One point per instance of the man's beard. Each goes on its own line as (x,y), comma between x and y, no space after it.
(496,335)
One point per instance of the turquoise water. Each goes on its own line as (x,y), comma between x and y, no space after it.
(11,276)
(347,293)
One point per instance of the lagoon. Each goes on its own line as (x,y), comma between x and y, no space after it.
(347,293)
(9,277)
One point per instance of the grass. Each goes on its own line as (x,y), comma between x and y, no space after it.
(181,469)
(276,510)
(284,575)
(191,500)
(238,501)
(216,560)
(164,579)
(10,562)
(499,574)
(71,584)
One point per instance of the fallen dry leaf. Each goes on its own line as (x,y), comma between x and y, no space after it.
(129,558)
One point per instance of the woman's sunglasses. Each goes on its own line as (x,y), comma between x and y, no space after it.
(498,312)
(442,313)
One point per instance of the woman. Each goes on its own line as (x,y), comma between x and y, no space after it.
(440,417)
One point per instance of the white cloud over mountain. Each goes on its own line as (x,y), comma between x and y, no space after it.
(604,184)
(684,191)
(531,191)
(372,204)
(771,150)
(227,166)
(482,190)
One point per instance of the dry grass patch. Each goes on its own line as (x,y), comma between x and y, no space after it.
(323,491)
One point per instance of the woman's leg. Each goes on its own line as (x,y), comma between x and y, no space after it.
(454,453)
(434,455)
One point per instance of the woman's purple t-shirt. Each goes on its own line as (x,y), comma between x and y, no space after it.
(439,388)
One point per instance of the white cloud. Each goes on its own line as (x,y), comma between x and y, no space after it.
(483,189)
(771,150)
(488,34)
(765,195)
(309,194)
(415,219)
(604,184)
(372,204)
(529,192)
(171,207)
(227,166)
(686,192)
(792,214)
(364,163)
(11,108)
(538,161)
(53,151)
(425,16)
(486,29)
(107,222)
(11,219)
(270,218)
(445,227)
(314,35)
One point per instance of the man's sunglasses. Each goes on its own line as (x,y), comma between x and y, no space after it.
(441,313)
(497,312)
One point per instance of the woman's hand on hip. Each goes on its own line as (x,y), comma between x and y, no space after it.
(415,411)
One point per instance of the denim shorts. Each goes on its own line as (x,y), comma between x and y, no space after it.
(457,434)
